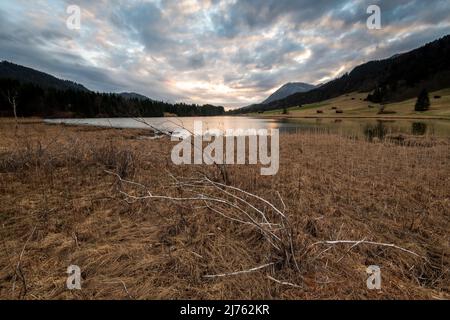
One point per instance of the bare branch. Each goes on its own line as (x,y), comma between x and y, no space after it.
(231,203)
(252,195)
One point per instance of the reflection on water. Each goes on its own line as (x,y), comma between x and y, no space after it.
(419,128)
(378,130)
(349,127)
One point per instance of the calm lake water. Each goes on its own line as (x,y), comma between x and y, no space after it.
(348,127)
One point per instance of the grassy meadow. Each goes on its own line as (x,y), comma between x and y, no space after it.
(88,196)
(353,105)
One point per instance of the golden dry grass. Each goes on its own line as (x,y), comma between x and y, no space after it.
(59,207)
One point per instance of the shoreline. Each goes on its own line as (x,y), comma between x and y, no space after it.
(26,120)
(349,117)
(151,132)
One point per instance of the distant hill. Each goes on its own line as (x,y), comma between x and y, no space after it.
(43,95)
(133,95)
(23,74)
(398,78)
(289,89)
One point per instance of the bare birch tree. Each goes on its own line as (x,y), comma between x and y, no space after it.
(11,96)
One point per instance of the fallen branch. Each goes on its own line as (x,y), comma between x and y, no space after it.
(229,202)
(264,227)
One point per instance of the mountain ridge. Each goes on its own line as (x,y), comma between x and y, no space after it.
(288,89)
(134,95)
(399,77)
(9,70)
(23,74)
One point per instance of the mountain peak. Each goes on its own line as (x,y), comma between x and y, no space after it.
(288,89)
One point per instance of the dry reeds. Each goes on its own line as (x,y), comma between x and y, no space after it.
(348,204)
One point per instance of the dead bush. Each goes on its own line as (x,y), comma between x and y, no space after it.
(120,160)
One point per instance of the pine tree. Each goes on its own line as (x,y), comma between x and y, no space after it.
(423,101)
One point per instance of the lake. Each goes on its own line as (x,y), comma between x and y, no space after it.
(347,127)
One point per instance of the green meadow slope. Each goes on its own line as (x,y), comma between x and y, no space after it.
(353,106)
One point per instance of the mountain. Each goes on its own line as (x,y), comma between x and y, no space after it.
(134,95)
(289,89)
(397,78)
(23,74)
(40,94)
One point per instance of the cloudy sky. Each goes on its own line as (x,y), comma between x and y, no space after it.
(229,52)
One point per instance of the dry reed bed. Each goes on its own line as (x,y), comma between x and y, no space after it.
(60,207)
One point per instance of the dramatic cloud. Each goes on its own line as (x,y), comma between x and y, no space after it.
(226,52)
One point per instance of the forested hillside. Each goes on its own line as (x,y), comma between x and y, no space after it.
(398,78)
(39,94)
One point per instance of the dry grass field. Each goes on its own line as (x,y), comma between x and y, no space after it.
(60,206)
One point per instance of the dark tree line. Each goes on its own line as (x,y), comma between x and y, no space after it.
(34,100)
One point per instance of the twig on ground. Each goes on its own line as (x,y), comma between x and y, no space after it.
(355,243)
(19,271)
(284,282)
(126,290)
(239,272)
